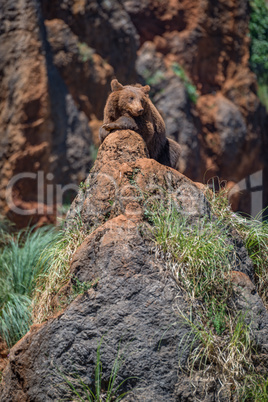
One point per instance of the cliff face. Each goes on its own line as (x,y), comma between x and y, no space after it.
(210,40)
(57,60)
(41,127)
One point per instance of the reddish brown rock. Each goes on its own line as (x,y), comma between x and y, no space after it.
(3,355)
(122,168)
(41,128)
(54,85)
(84,72)
(210,40)
(102,25)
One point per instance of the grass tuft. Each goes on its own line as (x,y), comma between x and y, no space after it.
(201,256)
(101,392)
(19,272)
(254,233)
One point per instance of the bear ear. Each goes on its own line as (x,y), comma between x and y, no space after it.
(146,89)
(116,86)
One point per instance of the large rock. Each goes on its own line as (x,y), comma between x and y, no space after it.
(84,71)
(104,26)
(134,305)
(130,180)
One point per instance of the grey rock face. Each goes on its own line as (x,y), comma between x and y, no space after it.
(232,130)
(170,96)
(103,25)
(70,158)
(175,107)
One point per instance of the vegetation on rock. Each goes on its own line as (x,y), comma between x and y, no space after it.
(202,257)
(258,27)
(34,266)
(54,263)
(80,389)
(190,87)
(19,272)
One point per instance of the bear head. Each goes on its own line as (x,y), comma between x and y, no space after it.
(131,98)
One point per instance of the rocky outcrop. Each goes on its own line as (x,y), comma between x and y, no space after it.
(134,304)
(122,168)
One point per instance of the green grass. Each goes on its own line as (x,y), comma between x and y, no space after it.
(34,266)
(255,389)
(190,87)
(228,358)
(201,256)
(263,94)
(19,272)
(6,227)
(254,234)
(108,393)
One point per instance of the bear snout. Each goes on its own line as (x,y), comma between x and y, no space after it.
(136,111)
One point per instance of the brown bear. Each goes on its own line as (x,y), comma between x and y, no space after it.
(129,107)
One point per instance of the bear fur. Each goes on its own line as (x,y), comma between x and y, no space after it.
(129,107)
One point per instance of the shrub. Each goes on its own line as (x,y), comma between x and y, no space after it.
(258,28)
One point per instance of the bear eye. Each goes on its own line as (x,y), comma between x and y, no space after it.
(131,98)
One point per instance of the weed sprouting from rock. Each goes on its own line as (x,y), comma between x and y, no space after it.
(111,392)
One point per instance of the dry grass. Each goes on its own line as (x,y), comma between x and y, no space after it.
(55,262)
(201,258)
